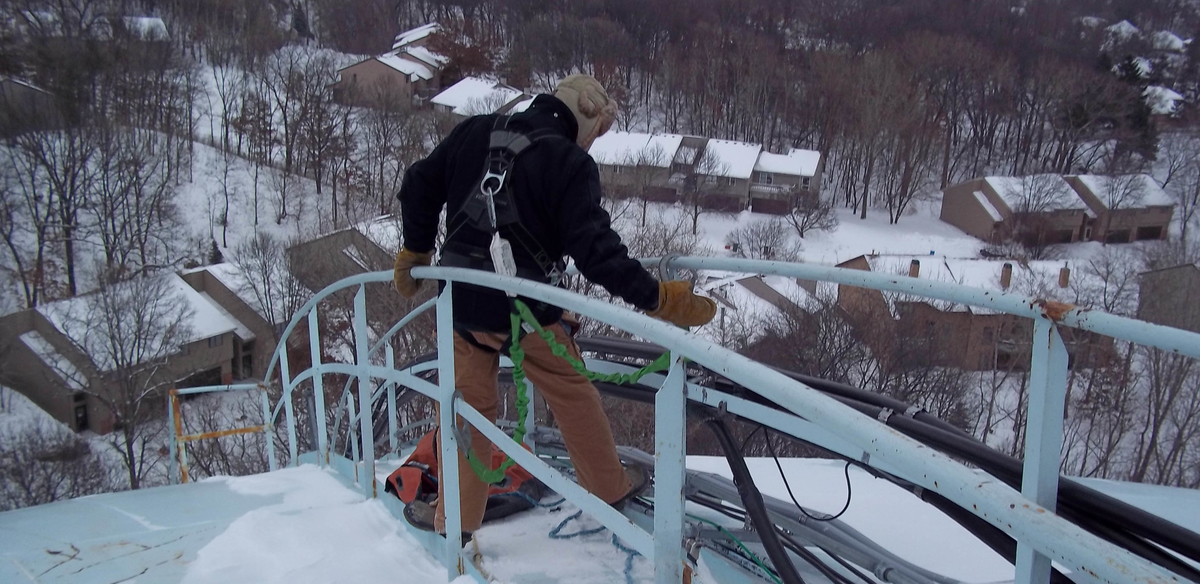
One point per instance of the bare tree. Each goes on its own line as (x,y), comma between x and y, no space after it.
(39,466)
(763,240)
(133,331)
(132,203)
(264,264)
(820,216)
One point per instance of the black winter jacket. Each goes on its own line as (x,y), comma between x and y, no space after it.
(556,187)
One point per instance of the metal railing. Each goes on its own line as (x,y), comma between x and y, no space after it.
(1027,516)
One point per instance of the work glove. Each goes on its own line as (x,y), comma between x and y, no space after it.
(406,260)
(678,305)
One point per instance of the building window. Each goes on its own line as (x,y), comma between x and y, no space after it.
(988,335)
(764,178)
(215,341)
(806,183)
(618,169)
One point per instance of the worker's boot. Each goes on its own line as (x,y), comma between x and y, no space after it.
(419,514)
(639,477)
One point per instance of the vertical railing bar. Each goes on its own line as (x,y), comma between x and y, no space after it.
(449,444)
(531,418)
(176,426)
(362,354)
(285,373)
(269,430)
(393,439)
(669,469)
(351,431)
(318,384)
(1043,438)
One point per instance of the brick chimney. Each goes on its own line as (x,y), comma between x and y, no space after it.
(914,269)
(1006,276)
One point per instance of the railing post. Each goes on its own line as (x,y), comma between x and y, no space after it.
(176,429)
(1043,438)
(269,430)
(449,444)
(531,417)
(362,351)
(318,384)
(285,373)
(670,448)
(351,433)
(393,426)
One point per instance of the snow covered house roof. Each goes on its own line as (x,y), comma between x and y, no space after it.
(1162,101)
(1139,190)
(73,317)
(634,148)
(1122,31)
(796,162)
(730,159)
(474,94)
(977,273)
(426,56)
(53,359)
(987,205)
(415,70)
(1164,40)
(1042,192)
(235,280)
(416,34)
(147,28)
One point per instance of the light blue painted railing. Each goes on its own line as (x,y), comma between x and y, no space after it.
(1027,515)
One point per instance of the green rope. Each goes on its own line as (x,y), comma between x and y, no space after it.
(741,545)
(516,353)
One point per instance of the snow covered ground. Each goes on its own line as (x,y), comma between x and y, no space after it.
(306,524)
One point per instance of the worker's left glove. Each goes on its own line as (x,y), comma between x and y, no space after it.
(406,260)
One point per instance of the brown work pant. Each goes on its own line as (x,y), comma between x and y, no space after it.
(573,399)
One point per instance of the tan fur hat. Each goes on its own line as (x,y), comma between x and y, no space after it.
(594,111)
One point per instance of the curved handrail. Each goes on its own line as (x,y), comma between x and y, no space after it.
(994,502)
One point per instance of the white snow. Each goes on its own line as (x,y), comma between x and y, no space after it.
(416,34)
(472,92)
(411,67)
(1123,31)
(1143,66)
(320,532)
(1164,40)
(730,159)
(426,56)
(71,316)
(53,359)
(235,280)
(384,231)
(521,106)
(147,28)
(1051,188)
(1144,191)
(663,148)
(987,205)
(892,517)
(1162,101)
(1091,21)
(240,329)
(633,148)
(795,163)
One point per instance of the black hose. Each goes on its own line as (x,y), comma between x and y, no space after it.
(755,507)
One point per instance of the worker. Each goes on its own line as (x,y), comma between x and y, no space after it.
(527,179)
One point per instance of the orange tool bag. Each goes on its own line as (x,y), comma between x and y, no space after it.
(417,478)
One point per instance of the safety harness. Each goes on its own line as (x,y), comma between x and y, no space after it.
(492,209)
